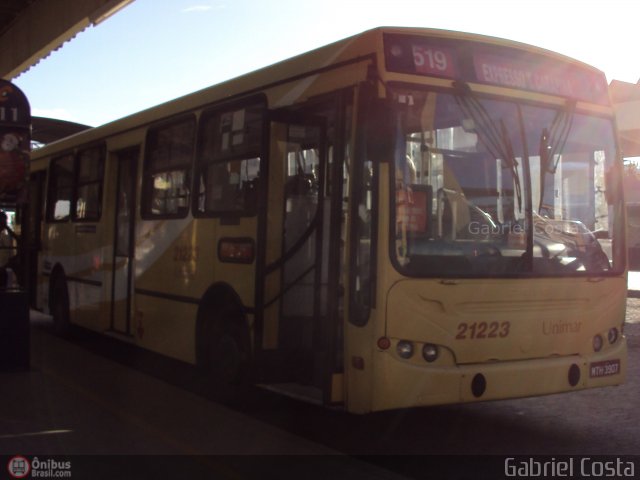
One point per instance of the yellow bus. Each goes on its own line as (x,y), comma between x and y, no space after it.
(406,217)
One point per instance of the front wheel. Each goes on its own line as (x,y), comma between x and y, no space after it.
(228,364)
(59,304)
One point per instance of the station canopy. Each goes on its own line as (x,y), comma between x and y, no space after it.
(47,130)
(31,29)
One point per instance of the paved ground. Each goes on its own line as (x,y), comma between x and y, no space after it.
(74,402)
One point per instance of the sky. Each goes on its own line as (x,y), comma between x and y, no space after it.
(153,51)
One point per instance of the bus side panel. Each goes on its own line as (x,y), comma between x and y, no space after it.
(176,262)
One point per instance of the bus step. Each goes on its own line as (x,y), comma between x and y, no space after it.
(305,393)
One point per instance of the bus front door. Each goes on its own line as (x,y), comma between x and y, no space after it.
(292,332)
(124,241)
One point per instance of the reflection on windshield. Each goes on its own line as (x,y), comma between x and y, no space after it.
(490,187)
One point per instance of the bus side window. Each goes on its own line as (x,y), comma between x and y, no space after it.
(89,184)
(61,188)
(167,176)
(229,186)
(228,161)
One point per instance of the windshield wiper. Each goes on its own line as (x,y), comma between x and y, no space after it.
(559,133)
(552,143)
(495,139)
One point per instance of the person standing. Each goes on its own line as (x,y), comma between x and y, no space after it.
(8,252)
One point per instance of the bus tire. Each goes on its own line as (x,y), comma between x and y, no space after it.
(59,302)
(223,348)
(228,364)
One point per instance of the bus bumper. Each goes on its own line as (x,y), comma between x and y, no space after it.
(402,384)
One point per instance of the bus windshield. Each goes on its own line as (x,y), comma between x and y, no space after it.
(489,187)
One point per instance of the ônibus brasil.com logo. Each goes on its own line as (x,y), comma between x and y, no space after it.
(19,467)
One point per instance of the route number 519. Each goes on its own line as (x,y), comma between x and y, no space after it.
(430,59)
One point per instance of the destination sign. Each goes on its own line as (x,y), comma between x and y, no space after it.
(550,77)
(506,66)
(420,56)
(438,61)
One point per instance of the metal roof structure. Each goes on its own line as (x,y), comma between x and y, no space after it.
(31,29)
(47,130)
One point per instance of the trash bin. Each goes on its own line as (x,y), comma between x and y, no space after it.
(15,334)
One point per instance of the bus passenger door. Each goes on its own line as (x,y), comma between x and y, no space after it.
(124,240)
(292,331)
(35,206)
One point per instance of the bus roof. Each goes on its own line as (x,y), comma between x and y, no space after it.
(362,45)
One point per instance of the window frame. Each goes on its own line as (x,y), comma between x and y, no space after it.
(99,181)
(146,212)
(53,189)
(256,101)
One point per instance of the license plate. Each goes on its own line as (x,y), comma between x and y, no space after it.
(604,369)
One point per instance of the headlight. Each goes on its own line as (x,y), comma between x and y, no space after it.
(405,349)
(613,335)
(430,352)
(597,343)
